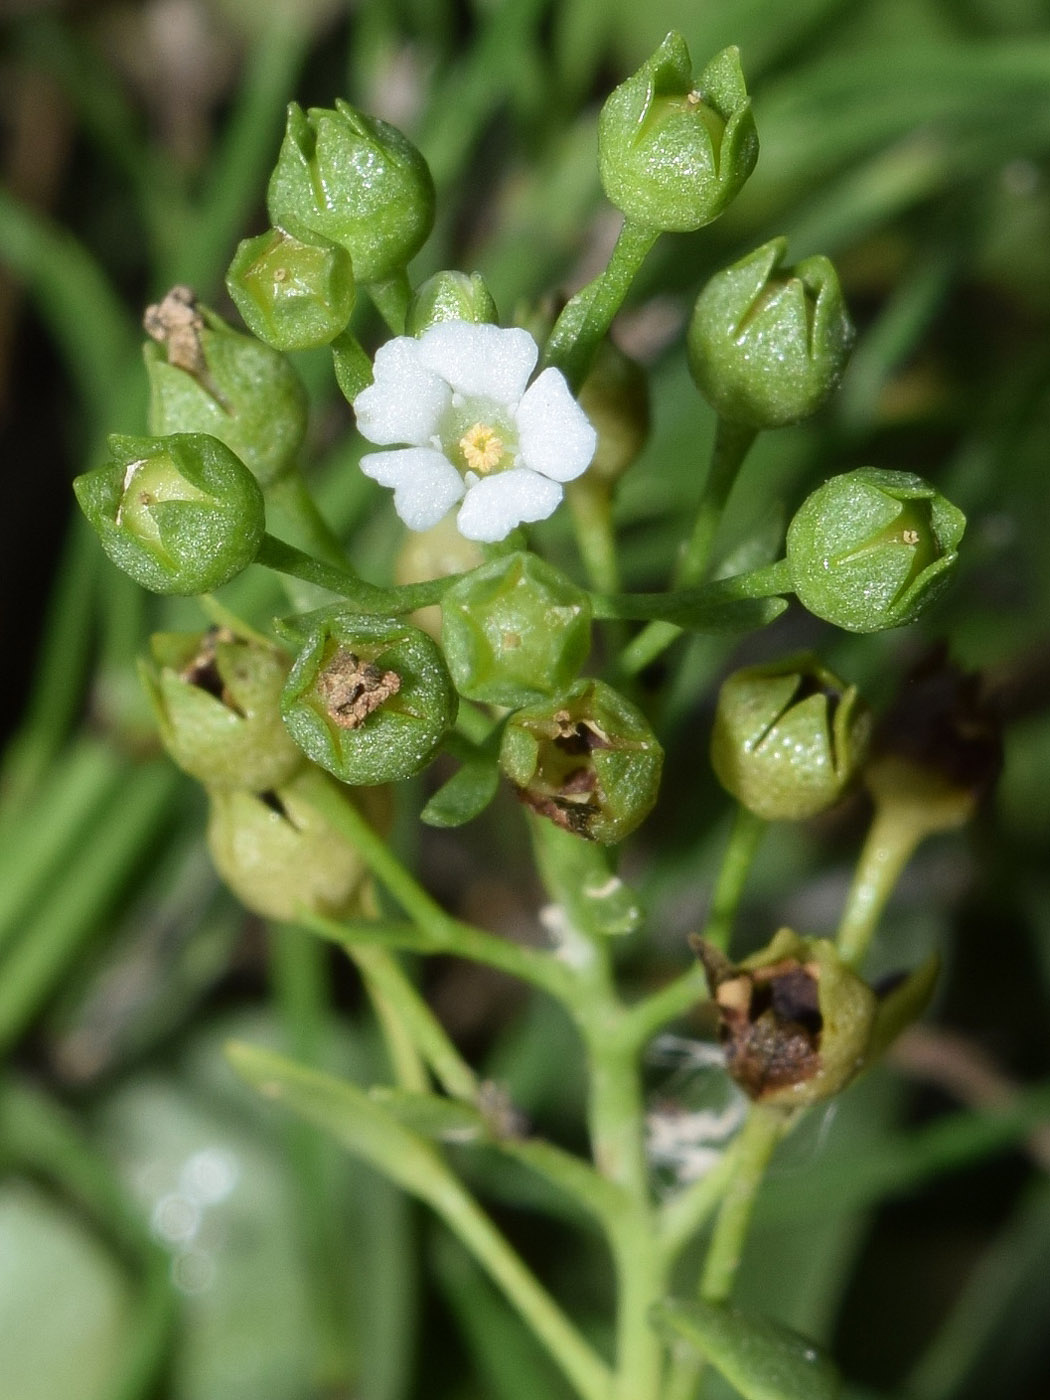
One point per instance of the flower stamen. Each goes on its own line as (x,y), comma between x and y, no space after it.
(482,448)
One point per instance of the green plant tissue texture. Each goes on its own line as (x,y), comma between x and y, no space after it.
(495,985)
(762,1360)
(408,703)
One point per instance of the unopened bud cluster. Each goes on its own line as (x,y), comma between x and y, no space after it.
(216,699)
(470,425)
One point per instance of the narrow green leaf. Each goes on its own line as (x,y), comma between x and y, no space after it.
(599,1197)
(345,1111)
(465,796)
(762,1359)
(432,1115)
(697,609)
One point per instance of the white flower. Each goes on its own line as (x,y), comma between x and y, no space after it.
(469,430)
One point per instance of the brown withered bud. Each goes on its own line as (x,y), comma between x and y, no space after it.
(944,730)
(176,322)
(794,1023)
(588,761)
(797,1024)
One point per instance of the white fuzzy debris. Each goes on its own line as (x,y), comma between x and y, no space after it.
(691,1142)
(569,947)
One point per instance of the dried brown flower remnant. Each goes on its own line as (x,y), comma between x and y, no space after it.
(769,1020)
(202,669)
(588,761)
(945,731)
(352,688)
(176,323)
(573,798)
(797,1024)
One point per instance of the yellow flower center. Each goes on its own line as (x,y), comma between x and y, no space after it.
(482,448)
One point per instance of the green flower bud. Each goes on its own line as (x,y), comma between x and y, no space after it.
(514,631)
(768,344)
(356,181)
(280,856)
(450,296)
(615,397)
(673,153)
(788,737)
(797,1024)
(206,378)
(794,1021)
(588,761)
(870,549)
(180,514)
(368,698)
(292,295)
(216,698)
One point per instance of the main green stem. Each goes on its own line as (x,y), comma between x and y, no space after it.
(616,1119)
(731,445)
(654,1011)
(750,1155)
(391,298)
(758,1137)
(586,318)
(896,831)
(740,852)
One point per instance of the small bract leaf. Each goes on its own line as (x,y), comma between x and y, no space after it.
(761,1359)
(465,795)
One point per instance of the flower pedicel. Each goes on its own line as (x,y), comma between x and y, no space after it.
(470,430)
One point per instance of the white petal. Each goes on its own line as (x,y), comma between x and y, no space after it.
(554,435)
(486,362)
(426,485)
(405,402)
(496,504)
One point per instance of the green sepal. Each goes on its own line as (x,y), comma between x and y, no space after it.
(450,296)
(761,1359)
(368,698)
(247,395)
(181,514)
(788,737)
(216,699)
(515,630)
(356,181)
(673,154)
(587,760)
(292,294)
(871,549)
(280,856)
(768,344)
(901,1004)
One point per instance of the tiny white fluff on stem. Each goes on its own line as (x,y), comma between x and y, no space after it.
(464,425)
